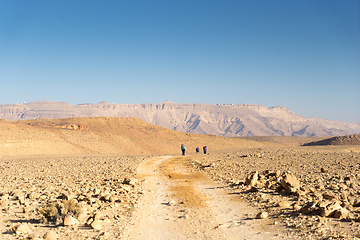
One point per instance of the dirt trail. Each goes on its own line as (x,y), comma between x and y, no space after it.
(181,204)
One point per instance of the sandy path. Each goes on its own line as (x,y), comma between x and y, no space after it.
(180,204)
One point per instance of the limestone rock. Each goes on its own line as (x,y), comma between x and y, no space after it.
(330,209)
(70,220)
(324,170)
(284,204)
(340,213)
(96,224)
(51,235)
(289,182)
(252,179)
(309,208)
(262,215)
(21,229)
(130,181)
(329,196)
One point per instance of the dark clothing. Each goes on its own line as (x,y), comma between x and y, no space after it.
(183,149)
(205,149)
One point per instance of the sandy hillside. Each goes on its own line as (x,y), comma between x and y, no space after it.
(341,140)
(102,136)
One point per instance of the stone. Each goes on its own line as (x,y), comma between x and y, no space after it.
(297,207)
(130,181)
(89,221)
(309,208)
(340,213)
(262,215)
(289,182)
(21,229)
(51,235)
(330,208)
(70,220)
(284,204)
(252,179)
(127,188)
(329,196)
(96,224)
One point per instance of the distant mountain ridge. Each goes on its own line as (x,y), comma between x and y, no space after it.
(223,120)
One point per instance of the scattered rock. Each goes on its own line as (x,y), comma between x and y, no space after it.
(289,182)
(252,179)
(262,215)
(21,229)
(70,220)
(96,224)
(51,235)
(130,181)
(329,209)
(324,170)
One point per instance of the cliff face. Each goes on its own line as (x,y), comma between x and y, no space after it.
(222,120)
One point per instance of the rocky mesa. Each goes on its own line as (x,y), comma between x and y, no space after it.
(223,120)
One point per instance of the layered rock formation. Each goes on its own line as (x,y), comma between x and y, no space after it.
(223,120)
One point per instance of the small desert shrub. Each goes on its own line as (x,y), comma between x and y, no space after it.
(50,213)
(55,212)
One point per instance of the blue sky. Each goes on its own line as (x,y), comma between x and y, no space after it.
(301,54)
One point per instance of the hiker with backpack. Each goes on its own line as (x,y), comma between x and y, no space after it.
(183,149)
(205,149)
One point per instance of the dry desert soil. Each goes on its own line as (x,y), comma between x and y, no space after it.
(116,178)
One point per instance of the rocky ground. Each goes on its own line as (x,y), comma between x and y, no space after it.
(298,192)
(83,197)
(313,191)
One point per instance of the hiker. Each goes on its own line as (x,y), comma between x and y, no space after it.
(183,148)
(205,149)
(197,150)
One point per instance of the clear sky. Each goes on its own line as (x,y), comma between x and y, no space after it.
(301,54)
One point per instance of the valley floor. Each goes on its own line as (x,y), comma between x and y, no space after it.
(174,197)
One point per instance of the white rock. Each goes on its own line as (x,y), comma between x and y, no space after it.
(21,229)
(262,215)
(51,235)
(70,220)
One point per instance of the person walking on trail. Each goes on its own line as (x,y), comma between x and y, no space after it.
(197,150)
(205,149)
(183,149)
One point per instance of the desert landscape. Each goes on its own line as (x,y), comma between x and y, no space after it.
(123,178)
(228,120)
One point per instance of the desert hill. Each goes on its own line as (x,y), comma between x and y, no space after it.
(222,120)
(129,136)
(341,140)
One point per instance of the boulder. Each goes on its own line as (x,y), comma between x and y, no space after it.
(329,209)
(262,215)
(289,182)
(96,224)
(21,229)
(70,220)
(340,213)
(252,179)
